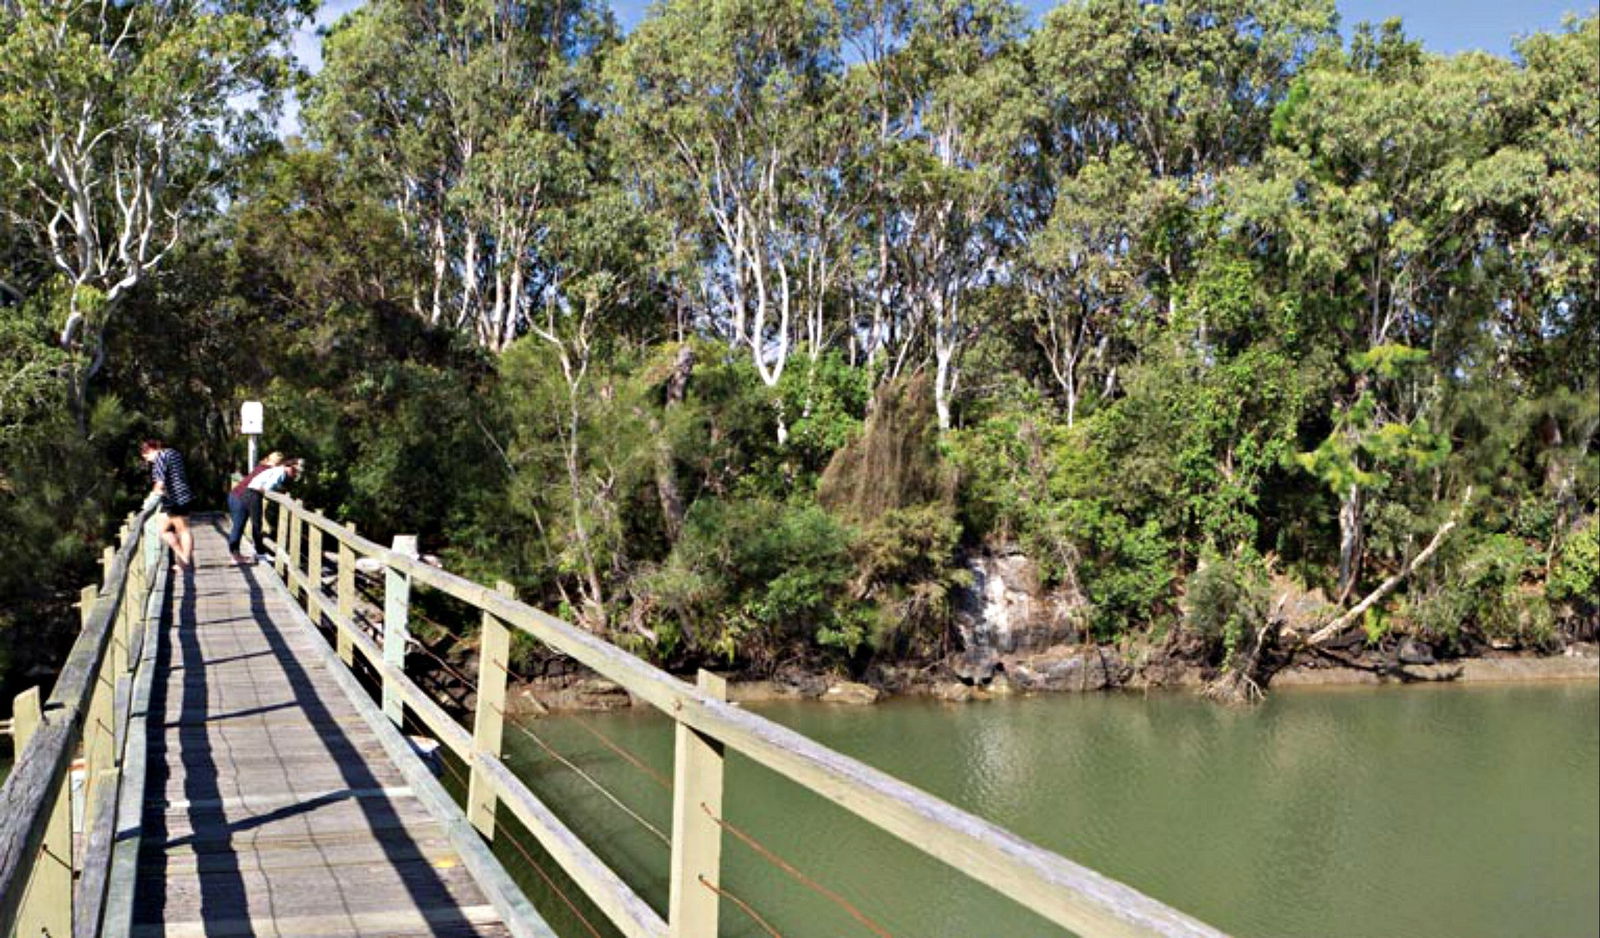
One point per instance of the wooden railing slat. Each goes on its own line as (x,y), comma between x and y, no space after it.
(1064,892)
(36,787)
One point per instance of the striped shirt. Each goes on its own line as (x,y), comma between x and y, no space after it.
(168,470)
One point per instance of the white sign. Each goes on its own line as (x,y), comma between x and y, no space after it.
(250,417)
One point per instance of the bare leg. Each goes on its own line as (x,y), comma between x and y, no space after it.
(168,535)
(185,541)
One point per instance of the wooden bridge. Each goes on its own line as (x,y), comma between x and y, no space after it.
(238,778)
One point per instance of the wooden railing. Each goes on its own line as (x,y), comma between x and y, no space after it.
(49,884)
(1063,892)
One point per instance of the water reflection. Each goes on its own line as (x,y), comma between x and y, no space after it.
(1408,812)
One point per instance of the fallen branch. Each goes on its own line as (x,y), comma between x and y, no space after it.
(1387,586)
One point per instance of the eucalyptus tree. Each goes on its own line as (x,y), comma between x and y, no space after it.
(1409,197)
(473,118)
(724,120)
(955,111)
(117,124)
(1148,108)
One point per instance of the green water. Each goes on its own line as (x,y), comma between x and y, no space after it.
(1405,812)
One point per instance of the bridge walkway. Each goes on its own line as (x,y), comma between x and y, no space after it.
(272,806)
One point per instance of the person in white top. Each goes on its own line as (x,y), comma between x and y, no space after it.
(267,480)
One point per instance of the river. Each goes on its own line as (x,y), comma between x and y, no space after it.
(1406,812)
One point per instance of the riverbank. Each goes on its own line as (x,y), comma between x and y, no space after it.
(1073,669)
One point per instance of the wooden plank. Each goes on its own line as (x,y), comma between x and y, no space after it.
(45,896)
(396,609)
(100,822)
(31,795)
(117,918)
(346,590)
(517,912)
(436,923)
(629,913)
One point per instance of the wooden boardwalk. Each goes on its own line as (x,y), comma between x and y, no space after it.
(274,804)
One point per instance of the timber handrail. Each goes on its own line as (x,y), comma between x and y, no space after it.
(1066,893)
(86,705)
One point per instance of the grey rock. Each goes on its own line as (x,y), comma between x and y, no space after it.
(848,692)
(1415,652)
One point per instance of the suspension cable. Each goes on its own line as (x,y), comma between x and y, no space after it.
(743,905)
(767,854)
(588,778)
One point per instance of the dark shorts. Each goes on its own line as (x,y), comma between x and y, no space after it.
(176,511)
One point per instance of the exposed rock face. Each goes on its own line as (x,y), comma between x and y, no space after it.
(1007,612)
(847,692)
(1063,669)
(1415,652)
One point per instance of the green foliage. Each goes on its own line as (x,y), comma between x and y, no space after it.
(1486,588)
(1224,599)
(1575,572)
(757,579)
(905,568)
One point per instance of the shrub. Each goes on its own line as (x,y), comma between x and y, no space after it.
(1225,598)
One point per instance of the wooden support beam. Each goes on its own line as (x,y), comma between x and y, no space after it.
(396,610)
(47,902)
(494,663)
(347,597)
(292,554)
(696,836)
(280,539)
(313,570)
(85,604)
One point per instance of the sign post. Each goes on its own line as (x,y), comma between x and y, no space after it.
(250,426)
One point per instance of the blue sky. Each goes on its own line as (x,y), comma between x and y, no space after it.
(1446,26)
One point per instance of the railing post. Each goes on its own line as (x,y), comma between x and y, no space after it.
(488,721)
(347,599)
(47,904)
(396,608)
(296,539)
(314,573)
(696,835)
(280,539)
(151,546)
(108,556)
(86,600)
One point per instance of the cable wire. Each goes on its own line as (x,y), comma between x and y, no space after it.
(782,864)
(743,905)
(515,842)
(588,778)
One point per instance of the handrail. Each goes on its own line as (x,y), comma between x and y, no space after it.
(32,800)
(1066,893)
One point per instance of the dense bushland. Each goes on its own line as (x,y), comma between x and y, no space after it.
(732,338)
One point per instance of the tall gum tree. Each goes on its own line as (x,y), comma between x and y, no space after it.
(117,125)
(473,119)
(1147,107)
(714,108)
(1404,185)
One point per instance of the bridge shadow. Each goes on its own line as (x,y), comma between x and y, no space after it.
(225,857)
(218,869)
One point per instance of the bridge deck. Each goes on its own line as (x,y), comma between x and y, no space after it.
(271,806)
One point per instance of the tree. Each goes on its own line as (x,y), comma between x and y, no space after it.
(117,125)
(473,120)
(723,115)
